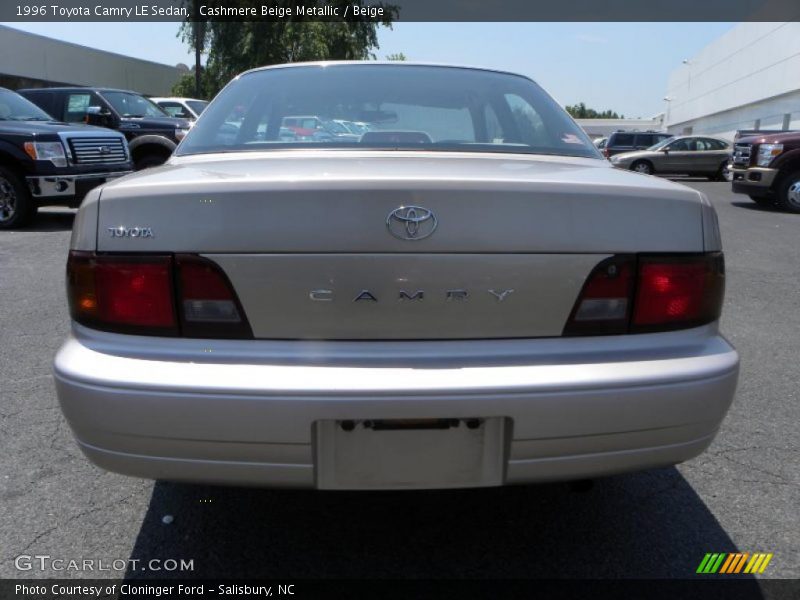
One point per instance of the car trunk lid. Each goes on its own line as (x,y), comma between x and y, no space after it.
(313,247)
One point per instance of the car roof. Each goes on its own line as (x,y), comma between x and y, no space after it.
(175,99)
(700,136)
(78,88)
(637,131)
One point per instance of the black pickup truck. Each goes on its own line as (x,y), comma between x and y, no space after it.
(44,162)
(152,134)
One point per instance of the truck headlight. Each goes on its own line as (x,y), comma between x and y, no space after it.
(766,152)
(52,151)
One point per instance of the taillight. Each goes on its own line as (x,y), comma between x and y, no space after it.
(648,293)
(122,293)
(678,292)
(208,305)
(153,295)
(605,301)
(606,153)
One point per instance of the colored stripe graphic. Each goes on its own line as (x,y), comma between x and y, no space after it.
(727,564)
(734,562)
(703,563)
(741,562)
(717,563)
(764,564)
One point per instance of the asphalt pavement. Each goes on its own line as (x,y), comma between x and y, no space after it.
(741,495)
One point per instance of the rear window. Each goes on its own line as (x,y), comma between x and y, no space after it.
(395,106)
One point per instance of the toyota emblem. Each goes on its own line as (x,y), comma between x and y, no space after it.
(411,222)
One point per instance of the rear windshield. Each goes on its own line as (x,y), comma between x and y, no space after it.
(386,107)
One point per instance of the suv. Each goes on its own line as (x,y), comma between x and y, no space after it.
(628,141)
(766,167)
(45,162)
(152,134)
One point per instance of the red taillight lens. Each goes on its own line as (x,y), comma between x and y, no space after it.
(130,294)
(626,294)
(606,153)
(676,292)
(137,294)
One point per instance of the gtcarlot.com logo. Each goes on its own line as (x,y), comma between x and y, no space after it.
(731,563)
(45,562)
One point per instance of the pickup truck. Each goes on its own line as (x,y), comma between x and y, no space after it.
(766,167)
(45,162)
(151,133)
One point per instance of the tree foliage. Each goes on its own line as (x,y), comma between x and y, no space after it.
(580,111)
(236,46)
(398,56)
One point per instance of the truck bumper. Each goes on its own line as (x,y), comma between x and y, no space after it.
(755,181)
(68,187)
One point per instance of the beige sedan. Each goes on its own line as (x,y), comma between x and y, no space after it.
(466,295)
(694,155)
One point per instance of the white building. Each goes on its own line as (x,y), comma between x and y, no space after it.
(749,78)
(30,60)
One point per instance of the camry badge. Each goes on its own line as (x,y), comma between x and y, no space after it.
(411,222)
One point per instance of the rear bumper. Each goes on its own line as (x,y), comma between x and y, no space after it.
(237,422)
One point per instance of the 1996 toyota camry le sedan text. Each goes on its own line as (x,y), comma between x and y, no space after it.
(466,294)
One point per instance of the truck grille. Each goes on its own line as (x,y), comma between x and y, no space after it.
(99,150)
(741,155)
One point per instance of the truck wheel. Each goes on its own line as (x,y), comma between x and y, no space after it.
(16,205)
(765,201)
(150,160)
(788,193)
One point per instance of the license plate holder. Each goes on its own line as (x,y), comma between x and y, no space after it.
(409,454)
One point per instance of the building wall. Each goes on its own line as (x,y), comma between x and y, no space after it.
(749,78)
(604,127)
(27,59)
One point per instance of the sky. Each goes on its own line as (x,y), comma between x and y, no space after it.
(618,66)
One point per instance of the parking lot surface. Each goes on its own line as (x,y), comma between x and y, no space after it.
(742,494)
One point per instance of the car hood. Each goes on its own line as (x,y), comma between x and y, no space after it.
(46,127)
(774,138)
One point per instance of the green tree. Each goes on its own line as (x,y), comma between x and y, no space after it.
(580,111)
(399,56)
(233,47)
(186,87)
